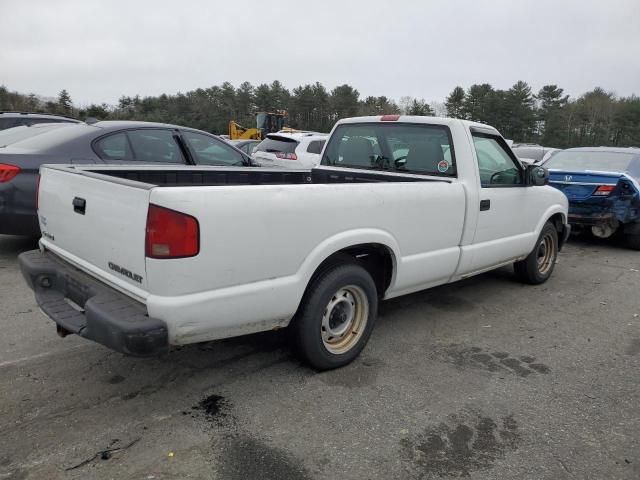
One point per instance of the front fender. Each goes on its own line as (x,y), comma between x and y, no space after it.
(550,212)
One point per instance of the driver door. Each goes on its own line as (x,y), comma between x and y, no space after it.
(504,229)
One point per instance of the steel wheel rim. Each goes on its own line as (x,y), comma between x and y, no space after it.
(546,254)
(344,319)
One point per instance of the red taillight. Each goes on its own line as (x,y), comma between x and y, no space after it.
(7,172)
(171,234)
(390,118)
(287,156)
(604,190)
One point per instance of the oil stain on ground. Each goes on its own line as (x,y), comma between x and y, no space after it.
(215,408)
(237,453)
(465,443)
(243,457)
(523,365)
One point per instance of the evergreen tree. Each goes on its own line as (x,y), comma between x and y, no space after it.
(344,102)
(520,111)
(476,102)
(65,104)
(550,115)
(420,107)
(263,98)
(455,103)
(245,104)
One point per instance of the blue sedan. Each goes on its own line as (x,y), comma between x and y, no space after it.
(602,185)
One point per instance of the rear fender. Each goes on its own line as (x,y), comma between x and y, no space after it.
(345,240)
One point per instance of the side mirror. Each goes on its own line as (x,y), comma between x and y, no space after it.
(536,175)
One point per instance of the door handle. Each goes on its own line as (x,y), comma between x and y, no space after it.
(485,205)
(79,205)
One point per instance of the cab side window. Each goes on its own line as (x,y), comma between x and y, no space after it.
(497,168)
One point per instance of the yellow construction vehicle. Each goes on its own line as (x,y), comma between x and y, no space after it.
(266,122)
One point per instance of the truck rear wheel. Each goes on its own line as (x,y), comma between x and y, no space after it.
(336,316)
(539,264)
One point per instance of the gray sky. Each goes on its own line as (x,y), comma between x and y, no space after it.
(100,50)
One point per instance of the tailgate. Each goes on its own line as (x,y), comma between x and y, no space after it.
(97,224)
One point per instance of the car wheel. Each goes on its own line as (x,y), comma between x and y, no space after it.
(336,316)
(539,264)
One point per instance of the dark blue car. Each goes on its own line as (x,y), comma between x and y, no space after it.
(602,185)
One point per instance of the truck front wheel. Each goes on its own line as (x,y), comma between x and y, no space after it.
(336,316)
(539,264)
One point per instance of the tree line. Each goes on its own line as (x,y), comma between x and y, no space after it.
(549,116)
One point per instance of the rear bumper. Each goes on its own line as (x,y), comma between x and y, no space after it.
(102,314)
(591,220)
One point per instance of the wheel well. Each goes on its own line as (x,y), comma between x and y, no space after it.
(558,221)
(376,258)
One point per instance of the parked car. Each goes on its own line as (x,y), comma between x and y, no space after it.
(16,119)
(602,185)
(246,146)
(24,149)
(537,153)
(290,150)
(145,266)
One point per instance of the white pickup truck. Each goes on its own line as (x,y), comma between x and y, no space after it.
(141,258)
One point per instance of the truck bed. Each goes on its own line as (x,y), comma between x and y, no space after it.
(171,176)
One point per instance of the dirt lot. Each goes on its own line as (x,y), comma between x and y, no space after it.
(486,378)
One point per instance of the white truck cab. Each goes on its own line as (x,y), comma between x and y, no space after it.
(140,258)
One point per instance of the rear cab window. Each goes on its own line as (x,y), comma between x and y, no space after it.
(424,149)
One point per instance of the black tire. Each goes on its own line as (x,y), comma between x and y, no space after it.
(539,264)
(324,304)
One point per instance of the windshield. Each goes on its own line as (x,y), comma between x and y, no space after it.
(17,134)
(591,160)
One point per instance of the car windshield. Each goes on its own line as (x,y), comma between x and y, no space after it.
(17,134)
(530,152)
(591,160)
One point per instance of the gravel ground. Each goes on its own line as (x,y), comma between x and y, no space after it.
(485,378)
